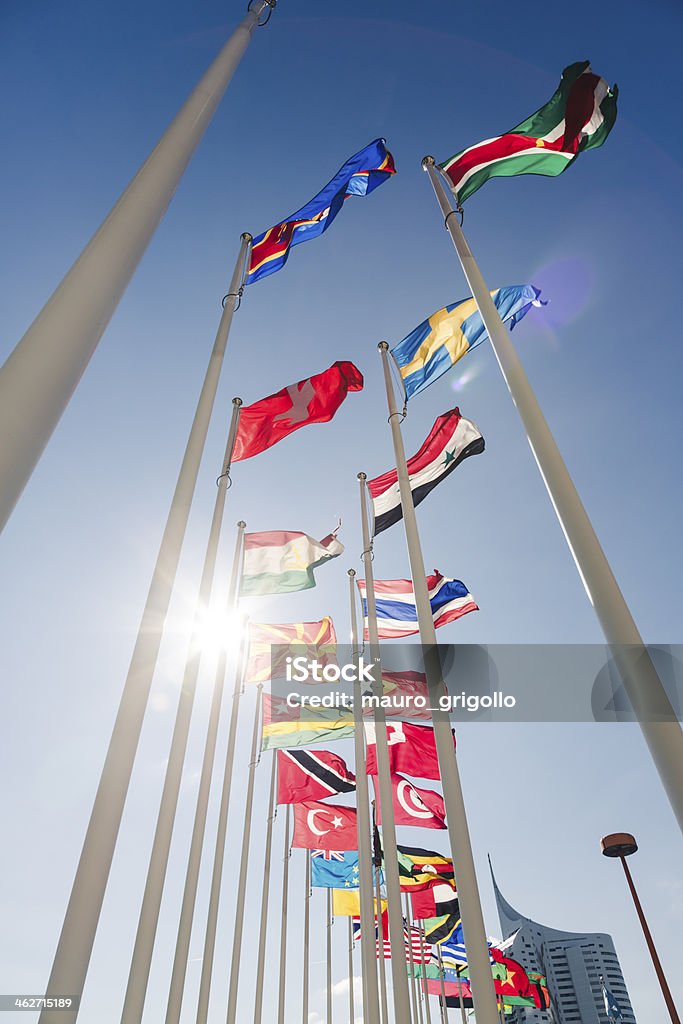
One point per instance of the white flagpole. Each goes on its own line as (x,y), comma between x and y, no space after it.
(177,985)
(425,990)
(219,849)
(265,894)
(41,375)
(462,1001)
(639,676)
(74,947)
(483,992)
(444,1004)
(141,960)
(329,958)
(283,923)
(307,935)
(381,964)
(410,963)
(351,992)
(367,916)
(399,976)
(244,864)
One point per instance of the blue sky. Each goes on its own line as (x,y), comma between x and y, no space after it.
(89,89)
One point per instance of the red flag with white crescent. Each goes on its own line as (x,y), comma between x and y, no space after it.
(324,826)
(413,806)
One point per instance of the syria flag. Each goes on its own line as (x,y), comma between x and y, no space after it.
(413,806)
(311,775)
(324,827)
(412,750)
(314,400)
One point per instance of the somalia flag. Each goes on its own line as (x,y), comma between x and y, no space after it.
(446,336)
(360,175)
(396,610)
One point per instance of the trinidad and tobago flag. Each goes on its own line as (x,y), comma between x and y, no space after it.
(360,175)
(311,775)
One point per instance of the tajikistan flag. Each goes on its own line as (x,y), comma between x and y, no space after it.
(278,562)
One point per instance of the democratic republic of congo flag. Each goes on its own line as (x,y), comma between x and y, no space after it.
(579,116)
(360,175)
(442,339)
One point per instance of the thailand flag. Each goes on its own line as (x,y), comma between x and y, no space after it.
(396,611)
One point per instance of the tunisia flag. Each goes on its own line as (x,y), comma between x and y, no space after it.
(314,400)
(413,806)
(324,826)
(412,750)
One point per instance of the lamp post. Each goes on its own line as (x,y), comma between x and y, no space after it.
(622,845)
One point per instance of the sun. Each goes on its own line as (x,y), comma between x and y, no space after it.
(219,632)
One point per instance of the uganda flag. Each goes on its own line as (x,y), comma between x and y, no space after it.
(578,116)
(421,869)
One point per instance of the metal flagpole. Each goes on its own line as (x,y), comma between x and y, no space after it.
(219,849)
(418,988)
(351,986)
(379,944)
(307,937)
(329,957)
(42,373)
(265,893)
(425,990)
(639,676)
(444,1004)
(462,1001)
(367,916)
(483,992)
(283,926)
(141,960)
(398,969)
(410,963)
(244,864)
(177,984)
(74,947)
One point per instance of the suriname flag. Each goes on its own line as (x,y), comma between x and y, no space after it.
(579,116)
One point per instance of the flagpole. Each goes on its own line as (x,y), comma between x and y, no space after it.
(74,947)
(244,864)
(409,919)
(381,962)
(141,960)
(639,676)
(221,833)
(307,937)
(42,373)
(265,893)
(283,924)
(463,1015)
(410,963)
(329,957)
(367,916)
(351,993)
(425,990)
(483,992)
(444,1004)
(398,971)
(177,984)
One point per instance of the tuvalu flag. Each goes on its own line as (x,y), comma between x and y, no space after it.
(446,336)
(311,775)
(451,440)
(313,400)
(422,808)
(579,116)
(412,749)
(359,176)
(320,826)
(281,562)
(335,869)
(271,643)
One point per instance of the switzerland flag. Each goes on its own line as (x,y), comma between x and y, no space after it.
(314,400)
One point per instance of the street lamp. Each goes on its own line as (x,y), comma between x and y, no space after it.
(622,845)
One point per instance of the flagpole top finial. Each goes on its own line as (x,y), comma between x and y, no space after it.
(427,161)
(362,476)
(351,572)
(237,402)
(383,346)
(241,525)
(246,237)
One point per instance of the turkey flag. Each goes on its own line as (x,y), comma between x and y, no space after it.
(324,826)
(314,400)
(413,806)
